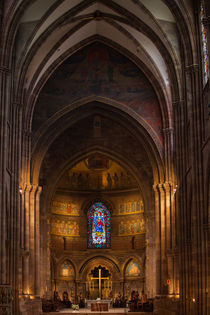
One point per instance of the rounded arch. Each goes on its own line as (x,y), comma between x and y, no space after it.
(68,261)
(62,119)
(134,259)
(88,203)
(131,258)
(105,258)
(84,154)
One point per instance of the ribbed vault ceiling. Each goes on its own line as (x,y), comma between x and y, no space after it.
(49,29)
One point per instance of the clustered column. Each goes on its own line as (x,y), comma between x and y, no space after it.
(31,230)
(164,204)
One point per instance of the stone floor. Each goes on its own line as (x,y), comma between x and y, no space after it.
(84,311)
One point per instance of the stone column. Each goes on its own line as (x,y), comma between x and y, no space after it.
(37,241)
(26,211)
(157,229)
(122,286)
(164,263)
(168,140)
(163,266)
(76,291)
(30,208)
(4,81)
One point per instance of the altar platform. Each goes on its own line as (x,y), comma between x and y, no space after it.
(84,311)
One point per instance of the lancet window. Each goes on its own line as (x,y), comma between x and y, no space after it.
(98,217)
(204,48)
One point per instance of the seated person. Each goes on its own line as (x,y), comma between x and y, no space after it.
(47,305)
(133,296)
(66,301)
(137,295)
(56,297)
(81,301)
(117,300)
(144,298)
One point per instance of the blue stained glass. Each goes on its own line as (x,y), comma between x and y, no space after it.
(204,45)
(99,235)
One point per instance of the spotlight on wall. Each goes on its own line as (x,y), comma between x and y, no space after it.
(20,190)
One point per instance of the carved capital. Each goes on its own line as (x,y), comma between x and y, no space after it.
(168,131)
(39,190)
(192,68)
(5,70)
(167,186)
(27,188)
(27,133)
(155,187)
(178,103)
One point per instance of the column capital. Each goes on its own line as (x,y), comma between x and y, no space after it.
(27,133)
(177,103)
(27,187)
(5,70)
(157,187)
(39,190)
(33,188)
(77,281)
(163,187)
(17,104)
(167,186)
(168,131)
(192,68)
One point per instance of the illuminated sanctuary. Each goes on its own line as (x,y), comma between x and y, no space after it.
(104,157)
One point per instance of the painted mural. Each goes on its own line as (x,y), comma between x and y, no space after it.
(64,227)
(66,269)
(100,71)
(133,270)
(132,227)
(105,180)
(65,208)
(131,207)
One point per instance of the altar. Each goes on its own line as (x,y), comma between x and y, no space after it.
(98,305)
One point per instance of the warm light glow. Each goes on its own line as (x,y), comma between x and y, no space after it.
(65,272)
(193,300)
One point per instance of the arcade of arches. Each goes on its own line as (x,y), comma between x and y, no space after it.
(104,152)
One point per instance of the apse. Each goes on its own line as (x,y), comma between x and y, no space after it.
(96,208)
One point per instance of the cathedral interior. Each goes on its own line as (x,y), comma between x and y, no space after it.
(104,125)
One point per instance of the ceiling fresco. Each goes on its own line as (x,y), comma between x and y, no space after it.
(101,71)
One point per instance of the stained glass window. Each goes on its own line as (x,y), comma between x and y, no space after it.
(98,217)
(204,44)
